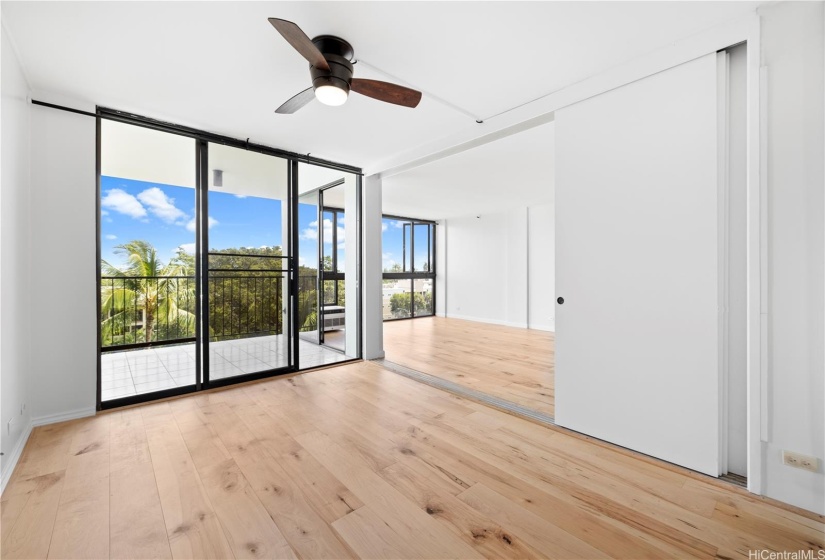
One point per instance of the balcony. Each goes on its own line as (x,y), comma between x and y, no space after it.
(148,329)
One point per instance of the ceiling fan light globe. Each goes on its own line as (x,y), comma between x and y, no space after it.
(331,95)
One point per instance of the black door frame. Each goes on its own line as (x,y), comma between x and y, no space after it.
(291,327)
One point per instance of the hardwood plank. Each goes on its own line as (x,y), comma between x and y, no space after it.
(567,511)
(32,533)
(488,537)
(137,528)
(296,464)
(506,362)
(81,528)
(372,537)
(47,451)
(250,530)
(10,510)
(192,527)
(394,509)
(531,528)
(328,496)
(128,444)
(304,529)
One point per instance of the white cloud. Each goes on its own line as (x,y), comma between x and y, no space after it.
(161,205)
(124,203)
(398,223)
(104,213)
(311,233)
(188,248)
(190,225)
(240,196)
(383,227)
(111,237)
(387,261)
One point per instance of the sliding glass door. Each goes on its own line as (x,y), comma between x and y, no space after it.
(218,263)
(148,306)
(247,283)
(328,257)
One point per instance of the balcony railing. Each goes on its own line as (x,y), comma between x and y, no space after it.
(140,311)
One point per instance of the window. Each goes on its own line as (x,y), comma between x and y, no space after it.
(409,267)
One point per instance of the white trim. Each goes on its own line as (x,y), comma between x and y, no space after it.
(756,245)
(489,321)
(723,264)
(15,457)
(543,328)
(64,416)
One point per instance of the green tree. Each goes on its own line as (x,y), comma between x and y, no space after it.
(246,292)
(144,290)
(400,304)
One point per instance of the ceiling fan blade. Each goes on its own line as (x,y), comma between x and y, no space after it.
(385,91)
(300,42)
(296,102)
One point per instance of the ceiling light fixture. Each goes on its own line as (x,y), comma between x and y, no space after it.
(331,95)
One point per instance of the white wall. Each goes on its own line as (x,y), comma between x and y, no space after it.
(498,267)
(792,50)
(541,266)
(14,260)
(62,242)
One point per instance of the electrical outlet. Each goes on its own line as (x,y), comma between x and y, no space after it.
(800,461)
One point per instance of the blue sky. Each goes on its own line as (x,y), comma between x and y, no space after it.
(164,216)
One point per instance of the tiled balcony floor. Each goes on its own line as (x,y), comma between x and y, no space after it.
(134,372)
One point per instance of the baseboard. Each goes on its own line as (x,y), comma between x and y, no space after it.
(489,321)
(545,328)
(15,457)
(63,416)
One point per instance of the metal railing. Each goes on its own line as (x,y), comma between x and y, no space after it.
(244,305)
(141,310)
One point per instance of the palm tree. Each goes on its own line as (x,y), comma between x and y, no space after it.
(149,288)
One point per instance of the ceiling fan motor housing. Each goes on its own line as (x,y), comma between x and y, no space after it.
(339,54)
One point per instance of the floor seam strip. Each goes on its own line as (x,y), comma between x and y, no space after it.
(472,394)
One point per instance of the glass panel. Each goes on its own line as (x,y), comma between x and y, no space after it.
(407,236)
(334,334)
(147,274)
(329,240)
(308,267)
(423,298)
(392,245)
(422,247)
(397,299)
(247,284)
(341,241)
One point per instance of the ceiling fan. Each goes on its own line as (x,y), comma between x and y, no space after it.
(330,59)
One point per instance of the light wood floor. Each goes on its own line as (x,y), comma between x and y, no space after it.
(506,362)
(355,461)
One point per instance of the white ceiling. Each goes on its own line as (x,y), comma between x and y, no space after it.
(515,171)
(220,67)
